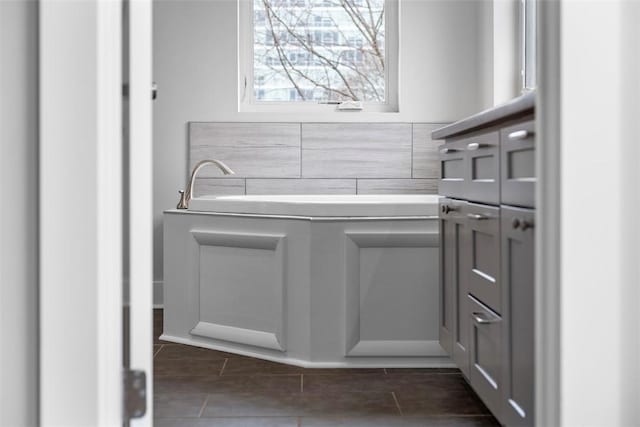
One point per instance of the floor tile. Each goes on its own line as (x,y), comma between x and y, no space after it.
(182,384)
(156,349)
(350,404)
(157,325)
(180,351)
(439,395)
(420,371)
(173,405)
(314,383)
(259,393)
(381,382)
(229,422)
(397,421)
(256,384)
(236,404)
(181,367)
(342,371)
(250,366)
(291,404)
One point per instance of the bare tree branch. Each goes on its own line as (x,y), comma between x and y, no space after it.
(326,57)
(276,43)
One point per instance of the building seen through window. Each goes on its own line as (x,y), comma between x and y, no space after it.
(319,50)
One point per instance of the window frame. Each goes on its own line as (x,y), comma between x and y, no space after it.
(527,45)
(246,94)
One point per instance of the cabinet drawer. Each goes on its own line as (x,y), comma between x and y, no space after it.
(483,167)
(518,178)
(485,351)
(482,259)
(453,169)
(517,234)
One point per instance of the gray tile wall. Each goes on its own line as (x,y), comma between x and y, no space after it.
(316,158)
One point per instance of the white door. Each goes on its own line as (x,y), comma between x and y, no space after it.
(82,217)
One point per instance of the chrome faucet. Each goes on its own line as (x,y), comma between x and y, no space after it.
(186,196)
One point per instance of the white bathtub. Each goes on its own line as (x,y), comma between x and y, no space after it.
(321,205)
(314,281)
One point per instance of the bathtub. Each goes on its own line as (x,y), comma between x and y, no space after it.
(321,205)
(313,281)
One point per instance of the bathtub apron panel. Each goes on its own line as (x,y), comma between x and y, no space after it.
(314,291)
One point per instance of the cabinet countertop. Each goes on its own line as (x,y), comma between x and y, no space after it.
(516,106)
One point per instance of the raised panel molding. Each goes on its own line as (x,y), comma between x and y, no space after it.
(238,240)
(356,345)
(268,313)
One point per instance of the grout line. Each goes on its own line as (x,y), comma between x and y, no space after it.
(204,405)
(301,383)
(158,351)
(223,366)
(393,393)
(412,175)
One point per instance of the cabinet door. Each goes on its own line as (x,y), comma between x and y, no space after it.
(454,327)
(482,258)
(485,352)
(518,309)
(518,178)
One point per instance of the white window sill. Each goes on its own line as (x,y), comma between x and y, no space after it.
(312,108)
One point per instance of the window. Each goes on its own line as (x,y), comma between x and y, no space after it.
(302,53)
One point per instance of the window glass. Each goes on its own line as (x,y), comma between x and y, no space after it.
(319,50)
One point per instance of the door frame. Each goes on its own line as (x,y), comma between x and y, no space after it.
(81,217)
(587,269)
(80,204)
(140,192)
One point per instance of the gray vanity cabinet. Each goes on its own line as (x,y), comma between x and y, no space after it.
(487,255)
(454,326)
(517,231)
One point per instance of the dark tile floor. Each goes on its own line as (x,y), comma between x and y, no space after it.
(195,387)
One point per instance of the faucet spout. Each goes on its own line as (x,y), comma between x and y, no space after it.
(186,196)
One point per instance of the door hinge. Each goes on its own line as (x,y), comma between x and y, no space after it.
(134,393)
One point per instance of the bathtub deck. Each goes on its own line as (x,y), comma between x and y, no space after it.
(200,387)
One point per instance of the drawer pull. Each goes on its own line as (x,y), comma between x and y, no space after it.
(519,134)
(521,224)
(525,225)
(448,150)
(483,318)
(478,217)
(473,146)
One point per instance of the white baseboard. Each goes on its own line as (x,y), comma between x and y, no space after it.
(352,362)
(158,296)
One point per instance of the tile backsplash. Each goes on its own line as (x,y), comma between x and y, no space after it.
(316,158)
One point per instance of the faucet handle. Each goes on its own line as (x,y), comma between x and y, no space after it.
(182,204)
